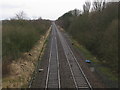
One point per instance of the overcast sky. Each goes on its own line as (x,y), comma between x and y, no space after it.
(47,9)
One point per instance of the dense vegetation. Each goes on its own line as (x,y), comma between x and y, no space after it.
(97,30)
(19,36)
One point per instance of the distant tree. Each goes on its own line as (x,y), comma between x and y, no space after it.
(40,18)
(76,12)
(98,5)
(86,7)
(104,5)
(20,16)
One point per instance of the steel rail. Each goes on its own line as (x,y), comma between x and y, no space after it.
(57,60)
(79,66)
(49,65)
(58,64)
(89,86)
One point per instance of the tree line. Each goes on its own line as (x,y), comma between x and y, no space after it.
(96,28)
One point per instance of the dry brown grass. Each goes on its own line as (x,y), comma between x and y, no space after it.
(22,69)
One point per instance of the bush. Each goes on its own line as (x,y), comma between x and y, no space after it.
(20,35)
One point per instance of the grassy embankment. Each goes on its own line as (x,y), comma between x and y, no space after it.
(22,43)
(96,34)
(103,71)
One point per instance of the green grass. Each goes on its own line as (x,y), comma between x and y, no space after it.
(87,54)
(100,67)
(108,73)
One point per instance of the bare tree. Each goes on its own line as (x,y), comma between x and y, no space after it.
(86,7)
(76,12)
(104,5)
(20,16)
(40,18)
(98,5)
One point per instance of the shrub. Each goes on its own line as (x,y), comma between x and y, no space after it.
(20,36)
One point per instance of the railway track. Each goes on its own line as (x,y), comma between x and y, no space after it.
(53,78)
(80,80)
(52,74)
